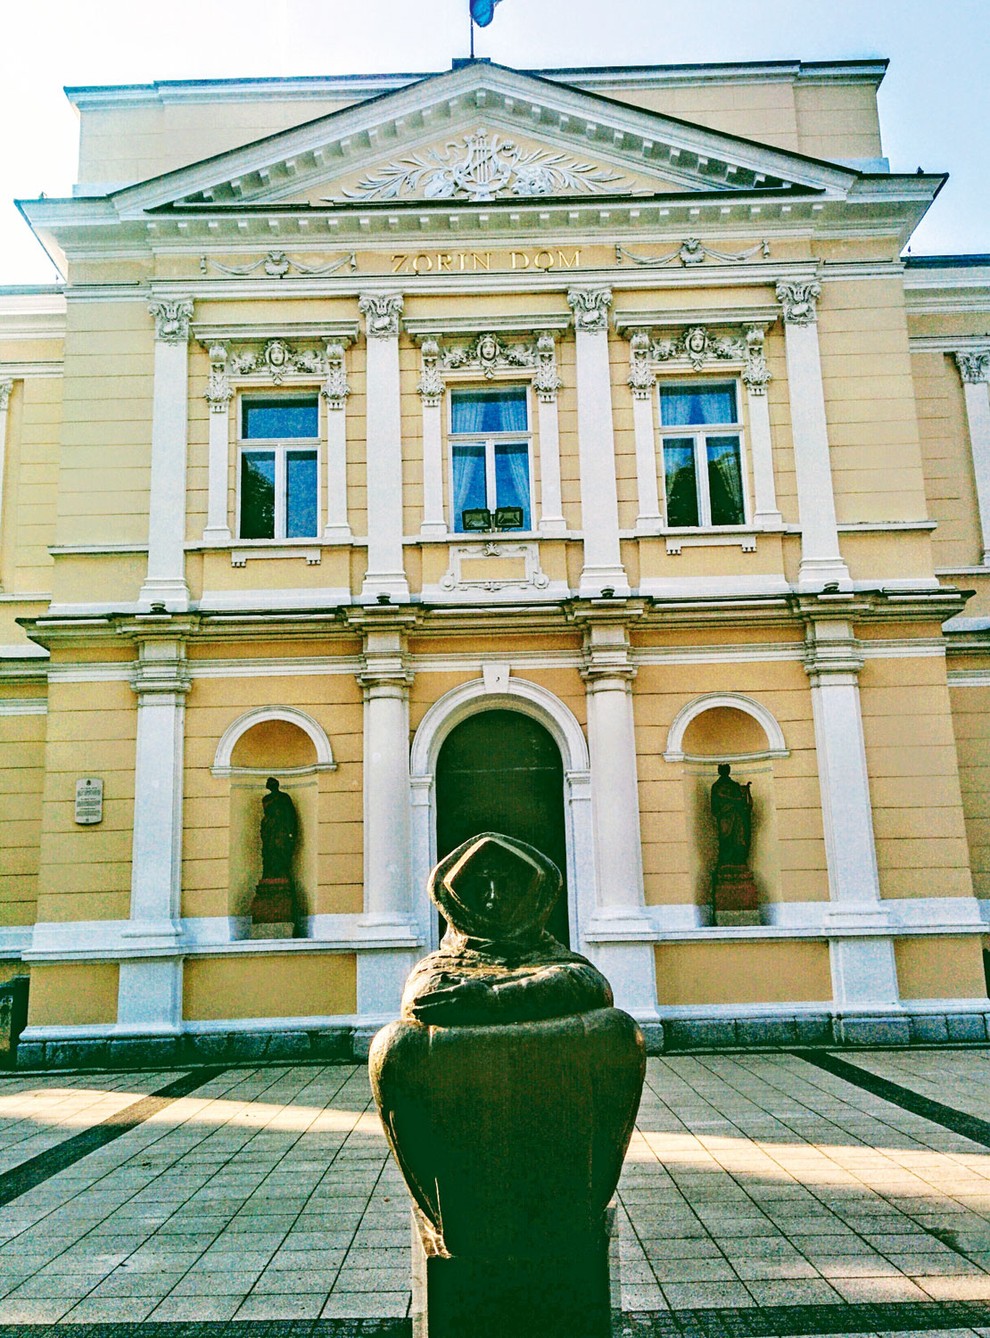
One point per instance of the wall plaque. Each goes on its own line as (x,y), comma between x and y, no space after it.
(89,800)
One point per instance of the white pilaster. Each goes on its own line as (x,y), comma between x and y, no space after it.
(642,382)
(335,391)
(863,970)
(619,929)
(5,388)
(431,391)
(596,444)
(149,995)
(166,579)
(546,383)
(161,681)
(385,574)
(974,368)
(218,396)
(756,376)
(821,561)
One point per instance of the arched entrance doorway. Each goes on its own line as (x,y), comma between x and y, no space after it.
(501,771)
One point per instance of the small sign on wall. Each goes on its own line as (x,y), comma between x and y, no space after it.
(89,800)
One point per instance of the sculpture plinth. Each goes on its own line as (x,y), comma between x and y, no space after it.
(273,909)
(508,1091)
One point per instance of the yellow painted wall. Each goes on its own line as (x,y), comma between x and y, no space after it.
(30,473)
(743,973)
(85,872)
(950,483)
(269,985)
(69,994)
(940,968)
(971,725)
(22,747)
(914,778)
(215,876)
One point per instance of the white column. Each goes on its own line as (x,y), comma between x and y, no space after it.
(821,561)
(385,574)
(974,368)
(335,392)
(5,388)
(431,391)
(642,382)
(546,383)
(596,444)
(756,376)
(619,934)
(385,678)
(864,974)
(166,579)
(218,396)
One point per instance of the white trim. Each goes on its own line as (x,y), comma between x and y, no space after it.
(542,706)
(700,587)
(225,601)
(91,673)
(776,744)
(262,667)
(968,678)
(290,715)
(23,706)
(14,939)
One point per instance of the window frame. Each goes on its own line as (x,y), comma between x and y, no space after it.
(700,433)
(455,439)
(282,447)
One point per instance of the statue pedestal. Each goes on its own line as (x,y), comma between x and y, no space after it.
(734,890)
(273,909)
(569,1291)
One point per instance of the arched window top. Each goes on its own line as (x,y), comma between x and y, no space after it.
(774,746)
(322,754)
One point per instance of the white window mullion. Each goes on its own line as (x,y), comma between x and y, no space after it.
(701,479)
(280,454)
(491,500)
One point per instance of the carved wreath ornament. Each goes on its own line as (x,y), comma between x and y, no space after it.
(480,167)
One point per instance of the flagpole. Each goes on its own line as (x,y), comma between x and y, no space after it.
(471,22)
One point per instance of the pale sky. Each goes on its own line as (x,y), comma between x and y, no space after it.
(934,102)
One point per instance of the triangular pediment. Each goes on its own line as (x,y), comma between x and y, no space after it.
(478,134)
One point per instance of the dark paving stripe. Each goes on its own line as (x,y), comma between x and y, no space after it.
(957,1120)
(19,1179)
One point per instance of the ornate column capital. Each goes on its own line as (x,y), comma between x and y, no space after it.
(5,388)
(172,319)
(335,389)
(590,307)
(381,312)
(161,668)
(756,373)
(218,391)
(831,652)
(641,376)
(431,383)
(974,365)
(799,298)
(546,379)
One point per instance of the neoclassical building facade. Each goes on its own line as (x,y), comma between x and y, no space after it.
(494,450)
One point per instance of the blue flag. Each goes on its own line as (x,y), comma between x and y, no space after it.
(483,11)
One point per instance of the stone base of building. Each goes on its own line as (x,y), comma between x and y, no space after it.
(348,1044)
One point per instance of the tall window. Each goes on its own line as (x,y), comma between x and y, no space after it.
(702,455)
(279,456)
(489,452)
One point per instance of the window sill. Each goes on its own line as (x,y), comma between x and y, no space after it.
(267,548)
(689,536)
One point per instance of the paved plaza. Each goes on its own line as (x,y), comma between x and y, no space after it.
(774,1193)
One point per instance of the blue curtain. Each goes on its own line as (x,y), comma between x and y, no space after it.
(684,406)
(469,480)
(512,477)
(480,412)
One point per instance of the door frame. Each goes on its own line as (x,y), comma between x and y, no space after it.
(559,721)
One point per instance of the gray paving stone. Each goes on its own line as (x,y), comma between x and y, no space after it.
(871,1031)
(929,1030)
(966,1026)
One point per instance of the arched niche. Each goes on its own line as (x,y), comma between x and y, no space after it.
(728,727)
(291,746)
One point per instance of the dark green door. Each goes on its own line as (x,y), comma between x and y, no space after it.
(500,771)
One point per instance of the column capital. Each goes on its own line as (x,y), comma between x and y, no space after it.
(641,378)
(431,383)
(385,667)
(607,655)
(381,313)
(161,667)
(799,299)
(335,389)
(974,365)
(219,391)
(831,652)
(546,378)
(6,386)
(590,307)
(172,319)
(756,373)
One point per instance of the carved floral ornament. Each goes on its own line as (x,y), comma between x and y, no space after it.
(590,307)
(276,265)
(275,360)
(697,346)
(172,319)
(488,353)
(799,301)
(5,389)
(974,365)
(481,166)
(381,312)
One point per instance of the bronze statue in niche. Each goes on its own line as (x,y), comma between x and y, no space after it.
(274,897)
(508,1090)
(734,893)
